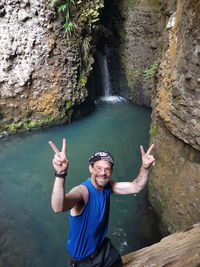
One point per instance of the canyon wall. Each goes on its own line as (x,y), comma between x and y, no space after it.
(43,79)
(139,48)
(175,180)
(167,33)
(42,73)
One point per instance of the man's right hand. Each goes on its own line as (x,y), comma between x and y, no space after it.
(60,162)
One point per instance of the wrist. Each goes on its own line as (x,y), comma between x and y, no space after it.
(61,174)
(145,168)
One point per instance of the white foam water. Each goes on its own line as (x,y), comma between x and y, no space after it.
(111,99)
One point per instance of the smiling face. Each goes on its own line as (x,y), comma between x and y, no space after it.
(100,173)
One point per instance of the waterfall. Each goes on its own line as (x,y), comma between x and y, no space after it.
(105,80)
(106,77)
(104,72)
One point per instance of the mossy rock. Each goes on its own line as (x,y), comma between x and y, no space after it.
(153,129)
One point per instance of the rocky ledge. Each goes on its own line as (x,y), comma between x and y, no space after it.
(179,249)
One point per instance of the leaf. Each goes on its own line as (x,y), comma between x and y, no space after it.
(62,8)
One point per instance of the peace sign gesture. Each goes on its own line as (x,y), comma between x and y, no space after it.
(147,158)
(60,162)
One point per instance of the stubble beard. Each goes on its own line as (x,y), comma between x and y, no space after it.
(104,180)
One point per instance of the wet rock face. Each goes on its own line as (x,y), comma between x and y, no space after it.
(178,90)
(38,74)
(175,180)
(174,183)
(140,49)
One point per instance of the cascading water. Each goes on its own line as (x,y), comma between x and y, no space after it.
(105,80)
(105,77)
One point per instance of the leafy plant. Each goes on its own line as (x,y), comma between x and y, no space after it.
(148,73)
(78,14)
(69,28)
(53,3)
(64,7)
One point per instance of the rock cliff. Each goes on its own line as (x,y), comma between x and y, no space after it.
(175,180)
(166,33)
(43,80)
(139,48)
(42,75)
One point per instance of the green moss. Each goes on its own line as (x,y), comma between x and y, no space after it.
(69,104)
(132,76)
(28,124)
(131,3)
(82,81)
(153,129)
(155,3)
(12,127)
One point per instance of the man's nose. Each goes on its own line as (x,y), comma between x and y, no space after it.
(103,171)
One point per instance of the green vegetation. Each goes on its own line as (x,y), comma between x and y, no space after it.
(153,129)
(82,81)
(131,3)
(69,104)
(132,76)
(80,18)
(154,3)
(14,127)
(148,73)
(65,8)
(77,15)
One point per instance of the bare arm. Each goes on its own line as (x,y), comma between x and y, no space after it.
(59,200)
(139,183)
(62,202)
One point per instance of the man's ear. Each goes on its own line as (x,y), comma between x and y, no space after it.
(90,168)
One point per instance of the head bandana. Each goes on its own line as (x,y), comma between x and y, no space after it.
(101,155)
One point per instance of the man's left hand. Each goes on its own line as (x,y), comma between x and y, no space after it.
(148,160)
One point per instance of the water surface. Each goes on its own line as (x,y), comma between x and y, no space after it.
(31,235)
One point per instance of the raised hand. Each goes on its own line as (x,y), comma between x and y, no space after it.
(148,160)
(60,162)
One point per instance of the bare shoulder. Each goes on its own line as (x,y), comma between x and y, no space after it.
(82,189)
(79,207)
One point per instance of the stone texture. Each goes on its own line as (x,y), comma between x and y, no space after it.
(174,183)
(169,35)
(178,90)
(175,180)
(39,73)
(181,249)
(140,45)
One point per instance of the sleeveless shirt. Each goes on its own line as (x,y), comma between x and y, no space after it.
(88,230)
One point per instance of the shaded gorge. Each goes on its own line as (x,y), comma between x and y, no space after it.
(31,234)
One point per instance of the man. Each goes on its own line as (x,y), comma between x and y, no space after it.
(88,204)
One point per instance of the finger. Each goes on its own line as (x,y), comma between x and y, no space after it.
(142,150)
(56,163)
(57,157)
(153,164)
(64,146)
(149,150)
(53,147)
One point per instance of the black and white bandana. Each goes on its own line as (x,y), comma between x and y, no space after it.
(101,155)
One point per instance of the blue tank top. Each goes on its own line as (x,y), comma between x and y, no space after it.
(88,230)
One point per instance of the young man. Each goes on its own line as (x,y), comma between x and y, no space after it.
(89,206)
